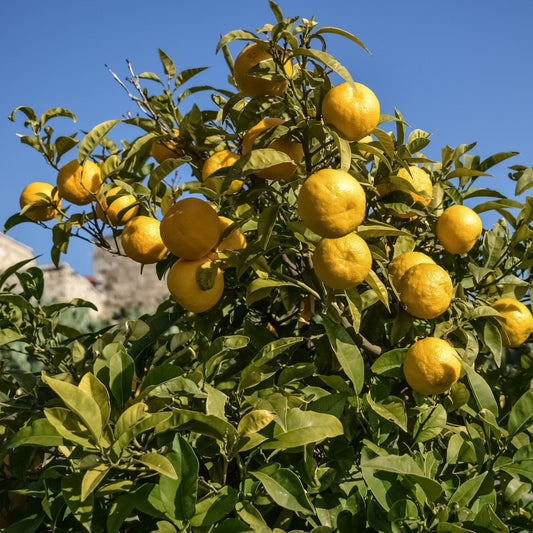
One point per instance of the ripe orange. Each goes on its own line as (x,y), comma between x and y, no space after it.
(141,240)
(352,108)
(79,184)
(519,321)
(403,262)
(418,179)
(44,208)
(458,229)
(115,208)
(196,285)
(431,366)
(331,202)
(293,149)
(426,290)
(167,148)
(190,228)
(251,85)
(342,263)
(235,240)
(219,160)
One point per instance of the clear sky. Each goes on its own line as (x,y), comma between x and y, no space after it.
(461,70)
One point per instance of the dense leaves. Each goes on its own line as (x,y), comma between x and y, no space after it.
(283,408)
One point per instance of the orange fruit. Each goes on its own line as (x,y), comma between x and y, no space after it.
(45,208)
(403,262)
(331,203)
(115,208)
(418,179)
(219,160)
(251,85)
(141,240)
(79,184)
(293,149)
(342,263)
(235,240)
(190,228)
(519,321)
(196,285)
(167,148)
(431,366)
(458,229)
(426,290)
(352,108)
(366,139)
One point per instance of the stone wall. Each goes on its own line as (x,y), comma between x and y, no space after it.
(122,286)
(117,287)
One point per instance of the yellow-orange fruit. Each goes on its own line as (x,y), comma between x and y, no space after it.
(141,240)
(331,203)
(185,282)
(190,228)
(458,229)
(519,321)
(219,160)
(115,208)
(164,149)
(45,208)
(251,85)
(79,184)
(352,108)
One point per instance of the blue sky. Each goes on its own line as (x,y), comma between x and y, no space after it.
(460,70)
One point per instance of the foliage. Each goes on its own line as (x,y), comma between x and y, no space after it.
(284,407)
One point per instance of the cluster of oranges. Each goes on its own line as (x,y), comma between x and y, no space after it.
(331,203)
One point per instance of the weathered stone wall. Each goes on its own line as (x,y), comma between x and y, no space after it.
(116,287)
(64,284)
(123,287)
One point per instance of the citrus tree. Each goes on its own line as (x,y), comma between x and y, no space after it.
(345,347)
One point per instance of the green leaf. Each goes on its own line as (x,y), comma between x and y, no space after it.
(8,272)
(347,353)
(159,463)
(168,64)
(68,426)
(213,508)
(285,488)
(179,496)
(466,492)
(91,479)
(430,423)
(63,145)
(185,75)
(492,337)
(255,421)
(237,35)
(261,288)
(8,335)
(28,111)
(390,408)
(345,151)
(379,288)
(326,59)
(390,363)
(93,139)
(525,181)
(482,391)
(386,142)
(56,112)
(275,348)
(97,390)
(164,169)
(121,371)
(79,402)
(495,159)
(342,33)
(380,229)
(40,433)
(265,225)
(304,427)
(71,491)
(404,465)
(521,416)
